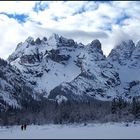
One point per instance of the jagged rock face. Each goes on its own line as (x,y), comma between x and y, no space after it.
(38,41)
(128,90)
(135,58)
(60,67)
(57,57)
(28,51)
(95,79)
(95,45)
(55,40)
(47,62)
(95,48)
(121,54)
(86,86)
(15,91)
(60,60)
(125,58)
(63,42)
(91,55)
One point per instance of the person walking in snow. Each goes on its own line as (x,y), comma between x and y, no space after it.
(25,126)
(22,127)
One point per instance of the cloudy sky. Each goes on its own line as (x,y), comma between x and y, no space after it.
(83,21)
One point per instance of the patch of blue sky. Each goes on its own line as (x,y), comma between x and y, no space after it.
(55,18)
(21,18)
(121,19)
(90,6)
(107,27)
(40,7)
(79,11)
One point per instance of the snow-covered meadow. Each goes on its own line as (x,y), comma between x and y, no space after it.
(77,131)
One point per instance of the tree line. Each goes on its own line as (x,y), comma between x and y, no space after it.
(50,111)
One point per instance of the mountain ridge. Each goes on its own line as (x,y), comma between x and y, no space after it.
(57,67)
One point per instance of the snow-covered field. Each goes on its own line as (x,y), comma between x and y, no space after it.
(79,131)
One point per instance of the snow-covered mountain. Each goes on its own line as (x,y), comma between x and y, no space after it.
(135,58)
(125,58)
(96,80)
(15,91)
(121,53)
(62,69)
(48,63)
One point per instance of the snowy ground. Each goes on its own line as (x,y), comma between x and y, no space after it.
(104,131)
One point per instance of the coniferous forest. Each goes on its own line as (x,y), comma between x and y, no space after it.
(48,111)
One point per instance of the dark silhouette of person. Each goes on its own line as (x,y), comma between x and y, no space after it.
(25,126)
(22,127)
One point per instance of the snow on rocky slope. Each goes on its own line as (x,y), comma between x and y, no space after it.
(125,58)
(14,89)
(97,77)
(60,67)
(46,64)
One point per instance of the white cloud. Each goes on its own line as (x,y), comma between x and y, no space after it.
(80,20)
(16,7)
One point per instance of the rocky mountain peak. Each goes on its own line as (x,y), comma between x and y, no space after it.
(138,44)
(128,44)
(83,69)
(38,41)
(122,52)
(54,37)
(30,40)
(95,49)
(135,58)
(64,42)
(53,40)
(44,39)
(96,44)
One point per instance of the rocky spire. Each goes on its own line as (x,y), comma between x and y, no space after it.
(122,52)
